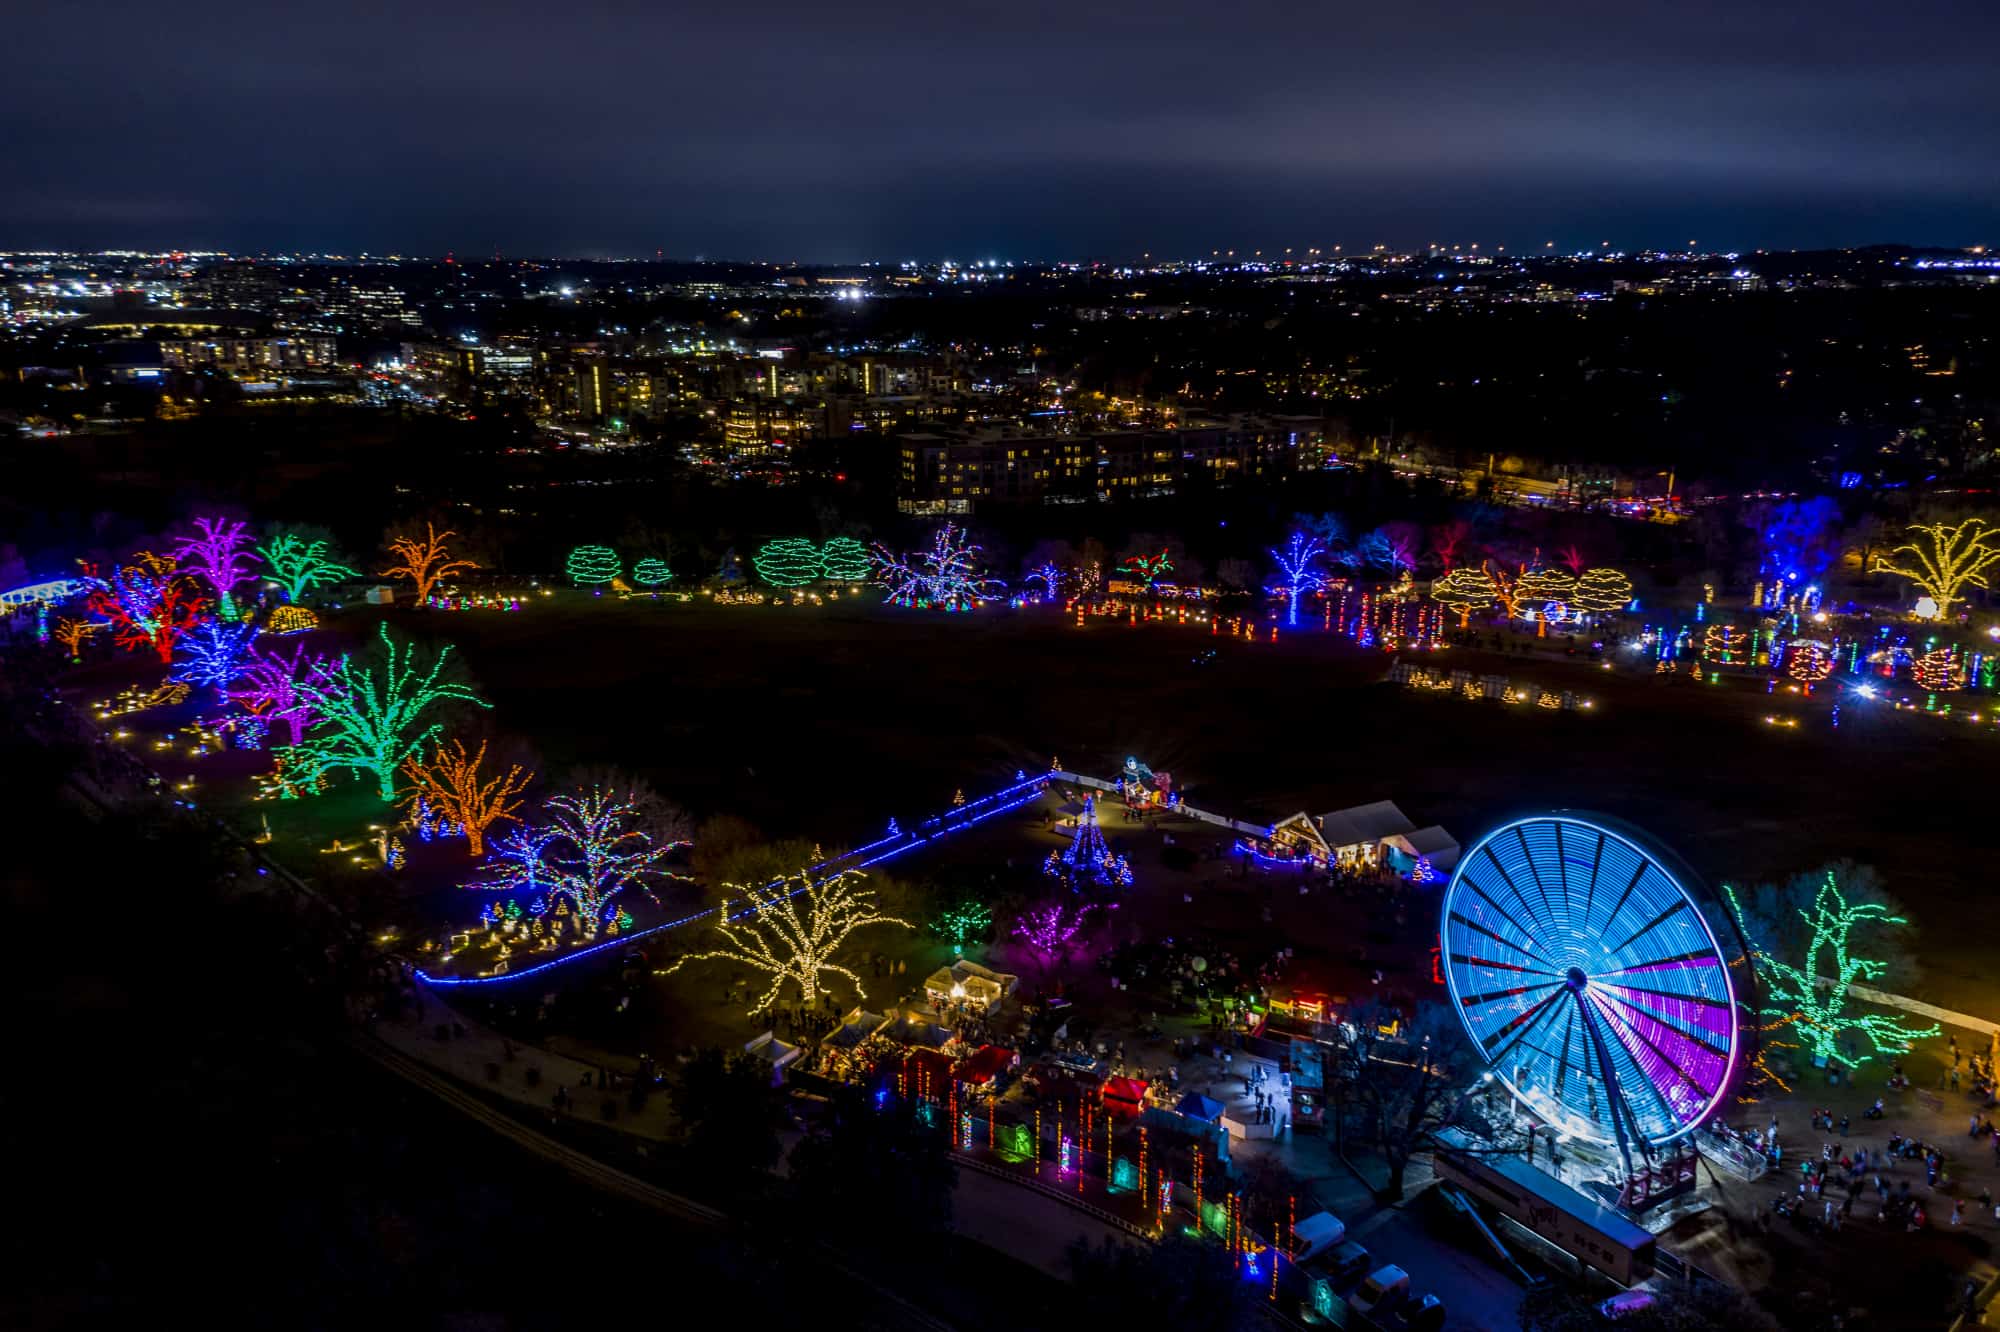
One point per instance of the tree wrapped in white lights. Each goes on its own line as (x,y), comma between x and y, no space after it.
(1945,559)
(791,927)
(947,575)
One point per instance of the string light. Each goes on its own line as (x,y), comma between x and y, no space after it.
(651,573)
(298,566)
(590,566)
(218,554)
(1725,645)
(214,653)
(1295,562)
(1465,590)
(425,562)
(1938,671)
(291,619)
(1599,591)
(844,560)
(1944,560)
(792,562)
(946,575)
(452,782)
(1087,858)
(145,609)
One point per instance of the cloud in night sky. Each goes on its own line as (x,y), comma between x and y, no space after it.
(891,130)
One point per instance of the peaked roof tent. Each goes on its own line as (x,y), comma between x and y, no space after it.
(1365,825)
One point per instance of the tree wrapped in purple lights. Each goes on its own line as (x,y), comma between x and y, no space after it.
(267,686)
(1051,928)
(213,653)
(220,554)
(369,718)
(1087,859)
(589,850)
(1295,563)
(946,575)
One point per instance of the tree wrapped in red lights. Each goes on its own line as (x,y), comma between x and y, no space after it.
(220,555)
(146,610)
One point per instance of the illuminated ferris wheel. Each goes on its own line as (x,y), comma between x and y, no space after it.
(1590,980)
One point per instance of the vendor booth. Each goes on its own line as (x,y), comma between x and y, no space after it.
(1124,1096)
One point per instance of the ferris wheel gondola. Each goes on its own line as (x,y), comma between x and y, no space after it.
(1592,982)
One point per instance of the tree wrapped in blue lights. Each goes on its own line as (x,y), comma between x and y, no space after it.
(372,718)
(1295,566)
(946,575)
(214,653)
(591,566)
(1812,997)
(1050,575)
(790,563)
(1800,540)
(844,560)
(1087,860)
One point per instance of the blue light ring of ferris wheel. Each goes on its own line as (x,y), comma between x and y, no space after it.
(1703,1026)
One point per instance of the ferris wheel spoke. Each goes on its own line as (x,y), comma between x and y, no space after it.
(1590,884)
(1679,904)
(1636,1032)
(1702,958)
(1672,1022)
(1528,859)
(1527,909)
(1468,960)
(1500,939)
(1637,874)
(1629,1068)
(1475,1000)
(1521,1026)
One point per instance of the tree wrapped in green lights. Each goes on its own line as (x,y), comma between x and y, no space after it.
(589,566)
(791,562)
(651,573)
(845,560)
(962,921)
(371,718)
(1813,997)
(298,565)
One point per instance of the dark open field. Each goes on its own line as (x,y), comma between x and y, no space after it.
(823,722)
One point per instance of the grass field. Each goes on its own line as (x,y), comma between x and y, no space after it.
(824,722)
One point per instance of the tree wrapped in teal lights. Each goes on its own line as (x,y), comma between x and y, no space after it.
(791,562)
(844,560)
(591,566)
(371,718)
(1812,998)
(652,573)
(298,565)
(963,920)
(1087,860)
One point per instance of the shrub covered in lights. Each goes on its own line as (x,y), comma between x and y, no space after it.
(844,560)
(1600,591)
(788,563)
(589,566)
(651,573)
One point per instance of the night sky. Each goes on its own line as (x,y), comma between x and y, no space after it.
(867,129)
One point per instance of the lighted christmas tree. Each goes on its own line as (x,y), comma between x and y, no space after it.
(946,575)
(587,851)
(789,563)
(1051,928)
(218,553)
(298,565)
(790,930)
(371,718)
(1725,645)
(1938,671)
(1813,998)
(1087,860)
(589,566)
(844,560)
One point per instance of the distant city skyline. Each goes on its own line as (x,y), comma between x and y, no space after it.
(792,131)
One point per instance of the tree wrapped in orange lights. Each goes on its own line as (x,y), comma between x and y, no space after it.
(453,784)
(425,562)
(1809,660)
(1938,671)
(70,632)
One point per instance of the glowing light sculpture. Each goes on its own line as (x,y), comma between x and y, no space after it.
(453,783)
(213,653)
(589,566)
(1148,569)
(1945,559)
(1809,660)
(370,719)
(1087,859)
(1295,562)
(291,619)
(1591,981)
(652,573)
(219,555)
(1938,671)
(267,686)
(1600,591)
(961,921)
(298,565)
(145,608)
(425,562)
(790,929)
(946,575)
(1725,645)
(844,560)
(1465,590)
(1812,999)
(792,562)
